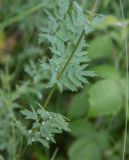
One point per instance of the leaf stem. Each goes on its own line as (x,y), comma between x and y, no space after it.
(54,154)
(64,68)
(127,85)
(49,96)
(72,54)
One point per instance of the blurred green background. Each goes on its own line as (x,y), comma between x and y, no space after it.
(97,114)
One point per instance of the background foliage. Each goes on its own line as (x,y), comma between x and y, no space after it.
(96,113)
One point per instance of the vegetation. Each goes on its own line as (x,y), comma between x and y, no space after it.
(64,80)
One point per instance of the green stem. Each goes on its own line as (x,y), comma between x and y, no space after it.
(127,85)
(54,154)
(72,54)
(95,6)
(63,69)
(49,96)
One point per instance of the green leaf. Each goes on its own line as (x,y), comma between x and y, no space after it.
(89,147)
(100,47)
(44,126)
(81,127)
(114,157)
(78,106)
(105,98)
(84,149)
(29,114)
(63,41)
(107,71)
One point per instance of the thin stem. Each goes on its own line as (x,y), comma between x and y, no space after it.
(95,6)
(127,86)
(49,96)
(72,54)
(63,69)
(54,154)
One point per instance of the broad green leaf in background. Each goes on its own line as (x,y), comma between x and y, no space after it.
(84,149)
(107,71)
(78,106)
(89,147)
(81,127)
(100,47)
(105,98)
(114,157)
